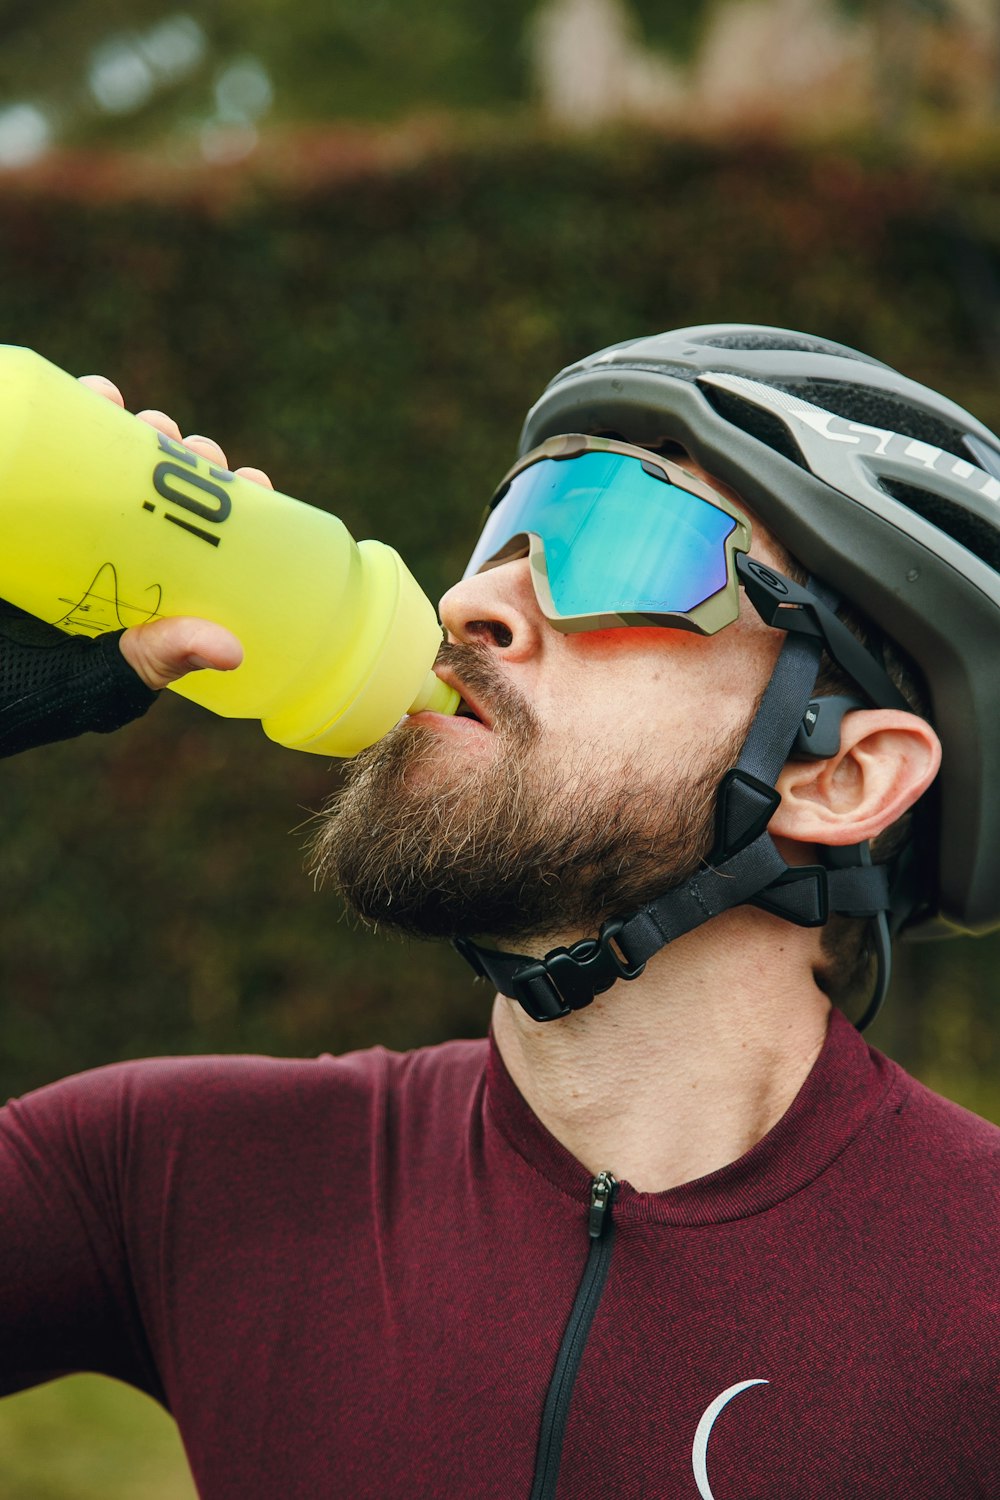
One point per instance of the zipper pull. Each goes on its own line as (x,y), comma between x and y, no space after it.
(602,1192)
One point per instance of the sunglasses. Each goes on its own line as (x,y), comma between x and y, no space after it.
(616,535)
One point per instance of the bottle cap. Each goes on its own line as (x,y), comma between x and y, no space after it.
(436,696)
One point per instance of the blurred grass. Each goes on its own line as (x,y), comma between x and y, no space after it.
(89,1438)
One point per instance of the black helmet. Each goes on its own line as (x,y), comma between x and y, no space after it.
(889,496)
(880,487)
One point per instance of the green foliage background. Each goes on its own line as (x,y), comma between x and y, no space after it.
(374,344)
(327,59)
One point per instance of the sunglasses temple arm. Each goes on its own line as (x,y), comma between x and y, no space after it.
(786,605)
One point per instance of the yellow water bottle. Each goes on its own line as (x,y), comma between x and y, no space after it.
(108,523)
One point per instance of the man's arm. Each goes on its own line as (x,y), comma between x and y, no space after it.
(67,1293)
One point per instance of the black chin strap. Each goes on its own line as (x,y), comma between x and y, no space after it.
(744,866)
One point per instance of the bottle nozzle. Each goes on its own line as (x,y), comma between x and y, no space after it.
(436,696)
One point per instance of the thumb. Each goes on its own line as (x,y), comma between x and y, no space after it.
(161,651)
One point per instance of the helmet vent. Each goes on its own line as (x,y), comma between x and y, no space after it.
(964,527)
(760,424)
(794,343)
(877,408)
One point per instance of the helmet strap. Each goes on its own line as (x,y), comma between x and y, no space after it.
(744,866)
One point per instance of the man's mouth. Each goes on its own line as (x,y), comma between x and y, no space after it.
(468,710)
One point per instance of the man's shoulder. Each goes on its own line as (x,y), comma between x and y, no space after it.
(247,1094)
(934,1151)
(949,1132)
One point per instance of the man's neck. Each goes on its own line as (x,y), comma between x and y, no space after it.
(678,1073)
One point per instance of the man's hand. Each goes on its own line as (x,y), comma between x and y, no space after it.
(161,651)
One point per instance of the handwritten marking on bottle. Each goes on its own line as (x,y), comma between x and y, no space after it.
(102,608)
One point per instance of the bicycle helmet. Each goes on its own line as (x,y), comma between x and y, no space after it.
(882,489)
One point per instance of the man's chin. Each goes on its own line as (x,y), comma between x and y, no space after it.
(431,839)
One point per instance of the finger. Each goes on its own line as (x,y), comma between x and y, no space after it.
(160,421)
(104,387)
(257,475)
(208,448)
(162,651)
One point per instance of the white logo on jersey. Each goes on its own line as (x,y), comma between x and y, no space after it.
(699,1453)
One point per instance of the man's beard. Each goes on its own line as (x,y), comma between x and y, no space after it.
(521,843)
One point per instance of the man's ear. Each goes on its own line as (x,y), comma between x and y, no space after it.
(887,759)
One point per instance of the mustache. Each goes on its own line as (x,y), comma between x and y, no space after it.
(474,665)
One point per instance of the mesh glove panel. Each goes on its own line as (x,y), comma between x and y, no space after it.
(55,686)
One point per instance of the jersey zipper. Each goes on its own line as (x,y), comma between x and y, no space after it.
(600,1230)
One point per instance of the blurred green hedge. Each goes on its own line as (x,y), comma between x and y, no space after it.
(374,344)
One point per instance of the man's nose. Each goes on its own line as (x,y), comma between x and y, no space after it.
(497,608)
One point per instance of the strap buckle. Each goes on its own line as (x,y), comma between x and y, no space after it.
(568,979)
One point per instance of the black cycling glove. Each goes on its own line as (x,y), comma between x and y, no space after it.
(55,686)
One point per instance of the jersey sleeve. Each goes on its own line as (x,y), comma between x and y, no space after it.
(149,1211)
(67,1300)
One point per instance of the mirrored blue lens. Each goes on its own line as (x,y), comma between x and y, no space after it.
(616,539)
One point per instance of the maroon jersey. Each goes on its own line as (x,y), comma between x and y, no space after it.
(379,1275)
